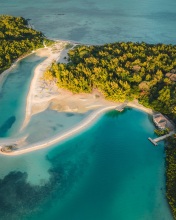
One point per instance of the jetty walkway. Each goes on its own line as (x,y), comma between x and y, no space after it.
(156,140)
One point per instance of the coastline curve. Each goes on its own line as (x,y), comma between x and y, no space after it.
(82,126)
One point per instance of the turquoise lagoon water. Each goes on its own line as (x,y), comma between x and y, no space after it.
(110,171)
(99,21)
(13,94)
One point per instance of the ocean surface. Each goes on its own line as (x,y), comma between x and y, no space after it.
(109,171)
(99,21)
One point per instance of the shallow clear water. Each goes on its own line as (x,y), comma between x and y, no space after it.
(100,21)
(49,124)
(13,94)
(111,171)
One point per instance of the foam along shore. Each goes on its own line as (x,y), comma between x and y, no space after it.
(44,144)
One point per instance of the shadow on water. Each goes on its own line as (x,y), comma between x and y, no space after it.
(115,113)
(68,114)
(150,118)
(7,125)
(24,199)
(21,194)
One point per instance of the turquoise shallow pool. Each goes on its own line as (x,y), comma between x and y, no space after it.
(111,171)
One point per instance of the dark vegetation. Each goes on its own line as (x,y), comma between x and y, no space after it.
(161,132)
(122,71)
(19,199)
(17,39)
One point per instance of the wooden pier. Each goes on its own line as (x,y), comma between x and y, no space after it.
(156,140)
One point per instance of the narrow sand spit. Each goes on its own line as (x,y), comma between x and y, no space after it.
(37,85)
(80,127)
(43,144)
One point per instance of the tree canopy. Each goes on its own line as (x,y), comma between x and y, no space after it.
(123,71)
(16,39)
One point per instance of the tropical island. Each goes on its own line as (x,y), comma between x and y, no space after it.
(119,72)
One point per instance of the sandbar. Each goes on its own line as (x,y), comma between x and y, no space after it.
(43,144)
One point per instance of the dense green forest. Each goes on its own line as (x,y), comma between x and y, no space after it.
(16,39)
(123,71)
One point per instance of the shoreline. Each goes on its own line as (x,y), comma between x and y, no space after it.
(135,104)
(80,127)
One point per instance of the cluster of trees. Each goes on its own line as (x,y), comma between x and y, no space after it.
(16,39)
(160,132)
(171,173)
(122,71)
